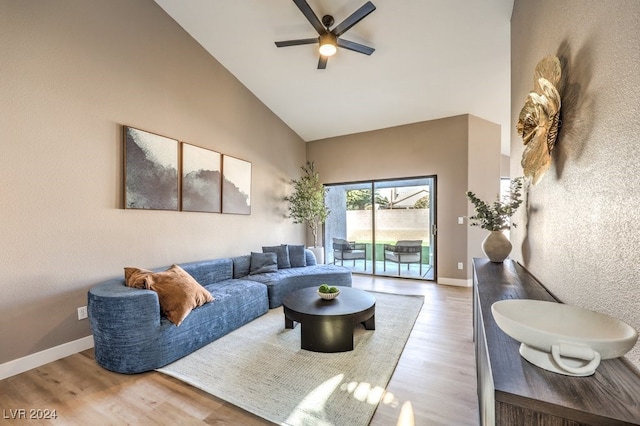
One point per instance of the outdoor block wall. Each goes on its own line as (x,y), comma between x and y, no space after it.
(391,225)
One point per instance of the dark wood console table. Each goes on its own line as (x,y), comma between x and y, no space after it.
(511,391)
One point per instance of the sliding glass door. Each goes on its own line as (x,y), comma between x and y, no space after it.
(383,227)
(349,228)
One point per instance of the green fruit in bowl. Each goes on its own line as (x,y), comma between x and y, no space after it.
(333,290)
(324,288)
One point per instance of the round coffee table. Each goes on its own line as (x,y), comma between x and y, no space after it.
(327,325)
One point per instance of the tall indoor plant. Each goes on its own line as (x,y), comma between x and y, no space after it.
(496,217)
(306,204)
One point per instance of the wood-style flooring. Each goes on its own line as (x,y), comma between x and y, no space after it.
(433,384)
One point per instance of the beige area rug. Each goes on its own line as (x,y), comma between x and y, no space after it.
(261,368)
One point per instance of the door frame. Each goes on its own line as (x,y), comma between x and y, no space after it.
(433,217)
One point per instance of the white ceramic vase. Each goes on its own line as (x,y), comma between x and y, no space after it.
(319,253)
(496,246)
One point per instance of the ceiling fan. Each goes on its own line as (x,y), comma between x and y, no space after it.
(330,40)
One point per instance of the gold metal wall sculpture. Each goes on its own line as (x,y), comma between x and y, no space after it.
(539,119)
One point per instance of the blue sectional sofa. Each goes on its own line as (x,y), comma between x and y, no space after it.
(284,281)
(131,335)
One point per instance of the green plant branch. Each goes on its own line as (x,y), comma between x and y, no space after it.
(497,215)
(306,203)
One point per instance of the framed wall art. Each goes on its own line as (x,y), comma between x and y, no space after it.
(150,170)
(200,179)
(236,185)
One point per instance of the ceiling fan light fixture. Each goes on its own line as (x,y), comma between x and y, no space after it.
(329,36)
(328,44)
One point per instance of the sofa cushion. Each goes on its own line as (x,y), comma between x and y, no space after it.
(282,253)
(208,271)
(241,266)
(297,257)
(263,262)
(310,257)
(178,292)
(283,281)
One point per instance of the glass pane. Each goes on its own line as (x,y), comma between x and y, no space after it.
(349,228)
(403,228)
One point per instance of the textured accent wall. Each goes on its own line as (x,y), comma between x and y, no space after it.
(580,233)
(71,73)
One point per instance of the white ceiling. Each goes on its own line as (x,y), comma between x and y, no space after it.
(433,59)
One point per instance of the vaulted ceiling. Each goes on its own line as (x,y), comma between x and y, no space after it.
(432,59)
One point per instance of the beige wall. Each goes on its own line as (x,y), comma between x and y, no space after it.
(71,73)
(447,148)
(505,166)
(483,179)
(582,228)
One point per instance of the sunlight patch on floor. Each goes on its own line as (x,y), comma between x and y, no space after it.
(312,406)
(406,417)
(364,392)
(314,403)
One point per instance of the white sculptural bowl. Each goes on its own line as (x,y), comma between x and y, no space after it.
(562,338)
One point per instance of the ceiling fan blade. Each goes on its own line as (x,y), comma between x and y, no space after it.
(356,47)
(322,62)
(355,17)
(311,17)
(297,42)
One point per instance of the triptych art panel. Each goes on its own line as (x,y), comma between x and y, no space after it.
(236,187)
(157,177)
(150,171)
(200,179)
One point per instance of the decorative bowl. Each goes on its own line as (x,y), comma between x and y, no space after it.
(329,296)
(562,338)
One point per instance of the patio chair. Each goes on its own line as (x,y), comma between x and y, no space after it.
(404,251)
(349,250)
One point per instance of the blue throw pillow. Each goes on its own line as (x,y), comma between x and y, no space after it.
(296,256)
(262,263)
(282,255)
(241,265)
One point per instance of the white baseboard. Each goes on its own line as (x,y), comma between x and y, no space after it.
(455,282)
(29,362)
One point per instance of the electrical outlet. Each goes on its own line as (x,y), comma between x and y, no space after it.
(460,265)
(82,313)
(460,220)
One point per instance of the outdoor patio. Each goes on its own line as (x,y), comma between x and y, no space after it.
(411,270)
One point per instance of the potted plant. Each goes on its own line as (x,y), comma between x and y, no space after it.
(306,204)
(496,217)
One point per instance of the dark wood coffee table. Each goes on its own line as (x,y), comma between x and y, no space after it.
(327,325)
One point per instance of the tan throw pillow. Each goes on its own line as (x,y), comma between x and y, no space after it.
(136,277)
(178,292)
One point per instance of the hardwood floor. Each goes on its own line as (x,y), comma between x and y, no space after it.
(434,382)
